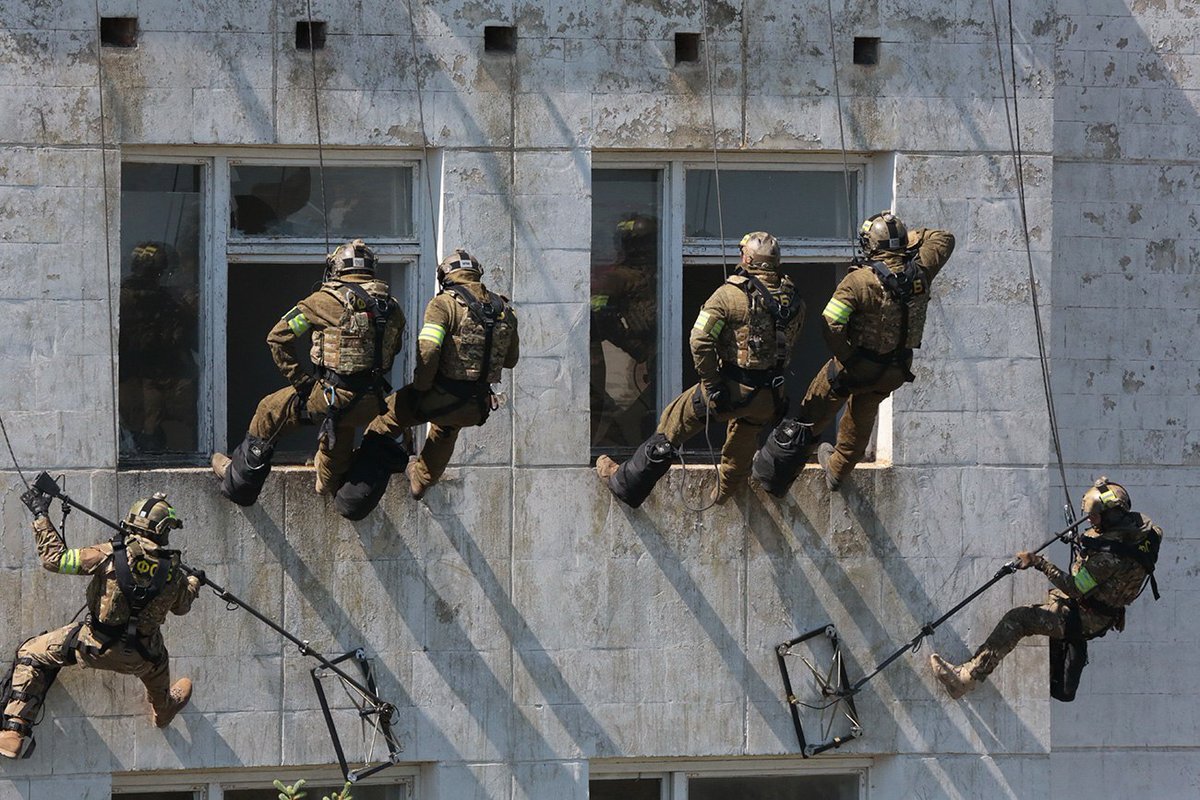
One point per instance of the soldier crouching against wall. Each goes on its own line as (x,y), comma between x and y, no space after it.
(872,324)
(1111,565)
(468,337)
(136,581)
(356,328)
(741,343)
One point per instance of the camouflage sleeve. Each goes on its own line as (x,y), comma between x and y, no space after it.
(393,337)
(1059,579)
(439,321)
(707,329)
(934,247)
(188,592)
(514,345)
(283,338)
(836,318)
(57,557)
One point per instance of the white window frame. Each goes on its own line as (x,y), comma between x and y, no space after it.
(875,189)
(211,784)
(218,250)
(676,773)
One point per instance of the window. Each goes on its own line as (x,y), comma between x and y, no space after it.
(216,248)
(657,254)
(743,779)
(397,783)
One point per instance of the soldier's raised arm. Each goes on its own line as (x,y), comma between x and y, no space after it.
(933,248)
(836,319)
(52,550)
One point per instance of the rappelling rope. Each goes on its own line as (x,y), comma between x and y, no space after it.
(712,112)
(426,166)
(312,54)
(1013,121)
(851,217)
(108,266)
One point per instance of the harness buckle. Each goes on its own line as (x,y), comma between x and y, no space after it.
(777,381)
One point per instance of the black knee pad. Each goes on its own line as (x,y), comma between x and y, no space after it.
(249,466)
(377,458)
(635,479)
(779,461)
(1067,660)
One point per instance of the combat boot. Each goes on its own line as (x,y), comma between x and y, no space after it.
(823,454)
(957,679)
(181,693)
(606,468)
(11,743)
(220,464)
(415,487)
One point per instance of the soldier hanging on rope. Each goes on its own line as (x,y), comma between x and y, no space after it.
(1110,566)
(741,343)
(355,327)
(872,324)
(468,337)
(136,581)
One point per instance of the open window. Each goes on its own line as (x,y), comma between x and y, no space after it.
(658,253)
(215,249)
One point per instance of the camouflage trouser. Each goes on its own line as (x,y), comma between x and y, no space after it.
(40,658)
(444,412)
(864,385)
(278,414)
(685,417)
(1048,619)
(1051,619)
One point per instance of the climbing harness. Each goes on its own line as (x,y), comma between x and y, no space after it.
(837,692)
(370,707)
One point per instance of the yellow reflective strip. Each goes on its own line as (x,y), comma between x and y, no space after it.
(68,562)
(1109,498)
(1084,581)
(702,321)
(432,332)
(297,322)
(718,327)
(836,311)
(599,301)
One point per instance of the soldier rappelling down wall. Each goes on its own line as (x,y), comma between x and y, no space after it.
(872,324)
(1110,566)
(469,336)
(136,581)
(356,328)
(741,343)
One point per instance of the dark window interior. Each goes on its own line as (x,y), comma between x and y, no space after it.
(626,789)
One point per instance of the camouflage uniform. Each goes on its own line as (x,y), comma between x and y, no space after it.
(1100,585)
(740,351)
(448,389)
(97,642)
(353,386)
(871,336)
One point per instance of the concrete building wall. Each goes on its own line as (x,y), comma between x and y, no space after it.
(1127,301)
(522,622)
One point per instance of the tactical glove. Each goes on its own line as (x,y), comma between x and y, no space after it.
(37,502)
(717,397)
(303,392)
(1025,559)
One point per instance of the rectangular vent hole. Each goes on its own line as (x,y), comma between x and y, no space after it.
(310,35)
(499,39)
(866,50)
(687,48)
(119,31)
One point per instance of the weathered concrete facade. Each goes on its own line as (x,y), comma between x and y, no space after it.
(523,622)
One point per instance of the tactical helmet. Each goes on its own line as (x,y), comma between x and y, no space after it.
(637,238)
(153,516)
(1103,497)
(459,259)
(148,258)
(351,257)
(760,247)
(883,232)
